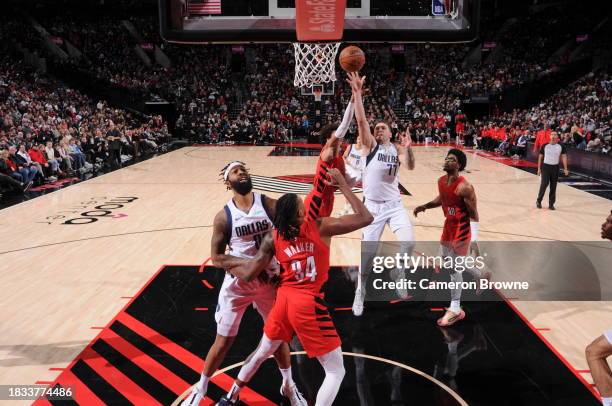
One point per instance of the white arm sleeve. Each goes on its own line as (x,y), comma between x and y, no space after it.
(346,120)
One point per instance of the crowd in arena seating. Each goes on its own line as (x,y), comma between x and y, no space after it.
(581,114)
(196,69)
(271,110)
(258,103)
(48,131)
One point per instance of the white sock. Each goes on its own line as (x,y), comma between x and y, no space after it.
(455,306)
(607,401)
(287,378)
(202,384)
(456,277)
(233,392)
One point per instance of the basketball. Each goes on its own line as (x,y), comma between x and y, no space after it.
(352,58)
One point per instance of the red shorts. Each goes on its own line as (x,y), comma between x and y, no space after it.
(300,312)
(457,237)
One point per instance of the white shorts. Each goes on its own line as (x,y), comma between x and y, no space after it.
(392,213)
(234,298)
(608,335)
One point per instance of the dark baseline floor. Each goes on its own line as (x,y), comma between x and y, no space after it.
(490,358)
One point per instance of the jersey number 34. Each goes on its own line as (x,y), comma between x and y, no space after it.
(301,274)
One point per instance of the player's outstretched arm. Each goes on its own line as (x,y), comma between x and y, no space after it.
(249,269)
(219,241)
(327,151)
(365,135)
(405,149)
(437,202)
(349,112)
(331,226)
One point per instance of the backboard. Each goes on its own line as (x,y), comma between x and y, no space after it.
(261,21)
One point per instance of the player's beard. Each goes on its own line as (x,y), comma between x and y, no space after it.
(242,188)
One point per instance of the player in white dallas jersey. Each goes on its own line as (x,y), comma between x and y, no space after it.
(380,183)
(241,225)
(354,167)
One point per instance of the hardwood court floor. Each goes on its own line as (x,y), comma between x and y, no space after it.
(63,281)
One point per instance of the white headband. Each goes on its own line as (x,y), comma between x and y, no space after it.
(230,167)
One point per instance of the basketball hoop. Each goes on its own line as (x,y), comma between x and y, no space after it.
(315,63)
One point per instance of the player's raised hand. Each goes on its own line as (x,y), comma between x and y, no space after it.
(336,178)
(352,79)
(355,81)
(405,139)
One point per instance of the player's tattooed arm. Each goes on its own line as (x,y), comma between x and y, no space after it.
(344,125)
(219,241)
(330,226)
(327,153)
(249,269)
(466,191)
(437,202)
(365,135)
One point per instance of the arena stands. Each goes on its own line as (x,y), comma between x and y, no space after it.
(49,131)
(256,102)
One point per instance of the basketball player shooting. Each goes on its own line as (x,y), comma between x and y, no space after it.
(241,225)
(380,180)
(331,136)
(301,244)
(458,200)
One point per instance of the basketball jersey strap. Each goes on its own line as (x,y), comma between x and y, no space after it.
(265,207)
(372,154)
(228,223)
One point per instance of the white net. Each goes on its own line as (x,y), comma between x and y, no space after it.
(315,63)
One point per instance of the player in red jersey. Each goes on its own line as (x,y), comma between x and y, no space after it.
(331,136)
(458,200)
(301,245)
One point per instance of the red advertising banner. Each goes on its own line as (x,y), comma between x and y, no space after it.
(319,20)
